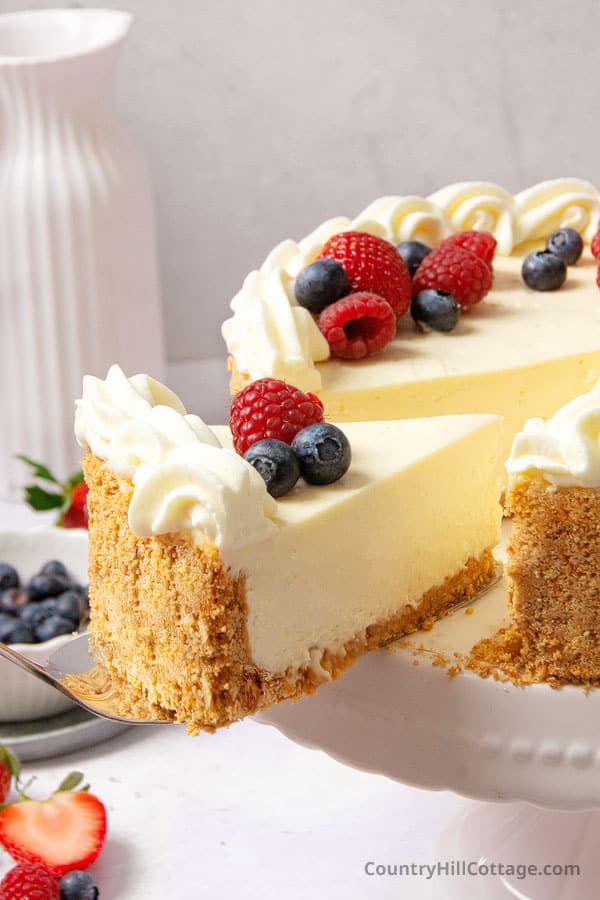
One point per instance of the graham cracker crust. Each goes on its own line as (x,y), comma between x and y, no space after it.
(168,621)
(553,587)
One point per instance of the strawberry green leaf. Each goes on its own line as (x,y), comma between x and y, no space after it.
(39,470)
(14,765)
(69,783)
(40,499)
(75,479)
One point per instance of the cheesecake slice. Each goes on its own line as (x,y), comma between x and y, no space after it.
(210,600)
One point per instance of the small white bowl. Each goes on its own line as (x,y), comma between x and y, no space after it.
(22,696)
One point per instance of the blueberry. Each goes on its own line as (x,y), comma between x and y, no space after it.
(9,577)
(567,244)
(70,605)
(52,627)
(435,310)
(54,567)
(42,586)
(543,271)
(12,601)
(36,613)
(276,463)
(321,283)
(413,253)
(78,885)
(323,452)
(20,633)
(7,623)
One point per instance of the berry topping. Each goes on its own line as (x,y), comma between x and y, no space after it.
(9,769)
(9,577)
(269,408)
(481,243)
(276,463)
(373,265)
(29,882)
(63,833)
(454,270)
(413,253)
(321,283)
(358,325)
(543,271)
(567,244)
(78,885)
(595,245)
(435,310)
(323,452)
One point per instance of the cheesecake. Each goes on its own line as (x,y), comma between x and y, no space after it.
(211,600)
(500,358)
(553,568)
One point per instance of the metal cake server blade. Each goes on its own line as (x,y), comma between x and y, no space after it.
(72,671)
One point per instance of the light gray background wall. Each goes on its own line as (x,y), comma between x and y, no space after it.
(261,119)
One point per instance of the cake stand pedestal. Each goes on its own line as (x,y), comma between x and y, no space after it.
(400,715)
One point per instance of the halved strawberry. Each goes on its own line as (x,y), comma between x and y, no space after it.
(63,833)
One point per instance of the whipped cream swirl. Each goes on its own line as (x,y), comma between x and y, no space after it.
(270,335)
(183,479)
(564,450)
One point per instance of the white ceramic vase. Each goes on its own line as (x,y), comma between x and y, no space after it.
(79,282)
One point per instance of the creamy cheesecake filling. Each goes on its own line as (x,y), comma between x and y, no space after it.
(423,514)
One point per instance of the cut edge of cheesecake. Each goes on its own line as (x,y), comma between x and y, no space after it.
(170,622)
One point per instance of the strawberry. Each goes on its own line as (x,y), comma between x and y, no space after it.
(29,882)
(595,245)
(68,497)
(481,243)
(372,265)
(454,270)
(9,769)
(76,514)
(63,833)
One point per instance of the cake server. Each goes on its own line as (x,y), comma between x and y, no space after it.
(72,671)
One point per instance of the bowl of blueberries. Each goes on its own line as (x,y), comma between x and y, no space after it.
(43,604)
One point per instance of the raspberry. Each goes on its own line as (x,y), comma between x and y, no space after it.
(269,408)
(28,881)
(595,245)
(459,272)
(598,277)
(373,265)
(481,243)
(358,325)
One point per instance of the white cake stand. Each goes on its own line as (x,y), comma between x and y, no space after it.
(481,738)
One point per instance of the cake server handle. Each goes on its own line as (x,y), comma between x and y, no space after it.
(72,671)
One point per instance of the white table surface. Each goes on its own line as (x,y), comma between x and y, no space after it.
(246,813)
